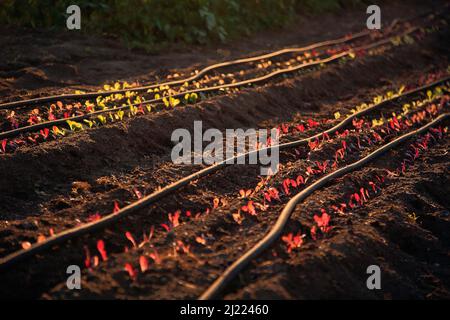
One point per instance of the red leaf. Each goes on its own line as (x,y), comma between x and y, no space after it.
(143,262)
(165,226)
(101,249)
(155,257)
(216,202)
(4,145)
(26,245)
(245,193)
(116,207)
(94,217)
(300,127)
(313,232)
(312,123)
(249,208)
(137,193)
(313,144)
(286,184)
(131,238)
(323,221)
(174,219)
(44,132)
(131,272)
(87,260)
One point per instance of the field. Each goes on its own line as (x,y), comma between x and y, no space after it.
(361,116)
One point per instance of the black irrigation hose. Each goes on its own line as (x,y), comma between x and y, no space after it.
(36,127)
(32,101)
(275,232)
(205,70)
(35,248)
(202,72)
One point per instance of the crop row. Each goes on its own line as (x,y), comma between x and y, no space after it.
(98,113)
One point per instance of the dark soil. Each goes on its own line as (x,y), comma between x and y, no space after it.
(60,184)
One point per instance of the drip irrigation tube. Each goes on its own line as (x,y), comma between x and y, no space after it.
(35,248)
(232,271)
(47,124)
(202,72)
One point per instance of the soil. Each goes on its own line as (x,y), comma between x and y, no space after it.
(60,184)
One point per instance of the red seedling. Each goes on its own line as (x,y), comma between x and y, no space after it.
(312,123)
(300,180)
(51,116)
(143,263)
(358,124)
(200,239)
(87,260)
(373,185)
(364,194)
(3,144)
(245,193)
(116,207)
(155,257)
(101,249)
(131,272)
(339,153)
(286,184)
(313,232)
(45,132)
(249,208)
(216,202)
(95,261)
(300,127)
(137,193)
(310,171)
(174,219)
(26,245)
(130,237)
(322,166)
(292,241)
(94,217)
(146,239)
(182,247)
(165,226)
(313,144)
(322,222)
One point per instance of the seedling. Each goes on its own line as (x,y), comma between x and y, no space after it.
(101,249)
(143,263)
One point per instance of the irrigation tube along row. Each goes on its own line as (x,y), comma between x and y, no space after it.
(36,127)
(20,255)
(202,72)
(205,70)
(275,232)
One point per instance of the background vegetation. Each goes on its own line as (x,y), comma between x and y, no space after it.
(150,23)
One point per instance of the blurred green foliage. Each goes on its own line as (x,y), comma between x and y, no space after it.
(150,23)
